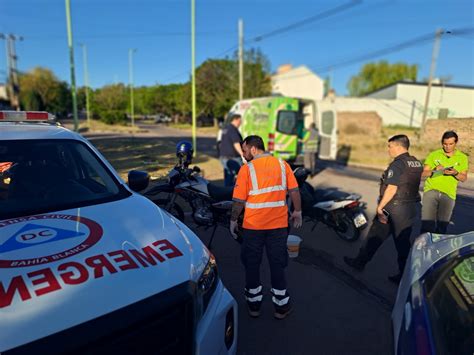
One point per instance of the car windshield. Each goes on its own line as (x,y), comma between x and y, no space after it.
(450,299)
(38,176)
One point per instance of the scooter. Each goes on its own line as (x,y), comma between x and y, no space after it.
(342,211)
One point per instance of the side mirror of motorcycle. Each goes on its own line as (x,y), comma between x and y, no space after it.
(138,180)
(196,169)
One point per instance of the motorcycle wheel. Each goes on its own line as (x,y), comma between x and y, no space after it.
(345,228)
(176,210)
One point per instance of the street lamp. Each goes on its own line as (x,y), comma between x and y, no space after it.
(130,72)
(71,64)
(86,82)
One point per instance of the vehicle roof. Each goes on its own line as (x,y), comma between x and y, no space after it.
(36,130)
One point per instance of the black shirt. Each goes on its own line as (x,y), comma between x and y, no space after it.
(405,173)
(230,136)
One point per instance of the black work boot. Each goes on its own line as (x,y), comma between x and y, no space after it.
(355,263)
(281,301)
(254,301)
(254,309)
(281,312)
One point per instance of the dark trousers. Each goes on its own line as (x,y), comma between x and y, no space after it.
(231,169)
(274,241)
(400,225)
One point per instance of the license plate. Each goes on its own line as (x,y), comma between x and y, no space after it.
(360,220)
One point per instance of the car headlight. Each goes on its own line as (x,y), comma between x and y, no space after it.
(208,282)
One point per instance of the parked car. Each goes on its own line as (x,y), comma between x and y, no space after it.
(89,266)
(161,118)
(434,309)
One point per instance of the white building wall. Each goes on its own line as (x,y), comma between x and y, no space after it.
(392,112)
(298,82)
(387,93)
(458,101)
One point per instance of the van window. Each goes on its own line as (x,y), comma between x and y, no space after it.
(286,122)
(327,122)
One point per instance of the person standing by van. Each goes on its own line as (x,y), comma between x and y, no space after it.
(230,152)
(310,148)
(261,188)
(444,168)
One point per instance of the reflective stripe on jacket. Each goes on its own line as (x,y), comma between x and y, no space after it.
(263,184)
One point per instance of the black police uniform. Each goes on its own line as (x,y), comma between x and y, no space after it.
(405,173)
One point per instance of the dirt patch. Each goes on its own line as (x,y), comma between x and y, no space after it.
(356,123)
(156,156)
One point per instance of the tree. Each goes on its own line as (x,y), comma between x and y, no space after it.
(217,81)
(373,76)
(41,90)
(110,103)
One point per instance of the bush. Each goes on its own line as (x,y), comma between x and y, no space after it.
(113,117)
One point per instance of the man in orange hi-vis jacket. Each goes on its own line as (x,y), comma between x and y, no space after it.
(261,188)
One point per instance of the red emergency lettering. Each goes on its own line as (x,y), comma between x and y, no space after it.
(47,277)
(123,256)
(76,277)
(98,263)
(166,245)
(149,256)
(17,284)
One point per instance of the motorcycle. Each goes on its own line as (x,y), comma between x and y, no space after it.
(341,211)
(210,204)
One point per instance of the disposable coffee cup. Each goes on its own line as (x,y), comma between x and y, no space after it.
(293,245)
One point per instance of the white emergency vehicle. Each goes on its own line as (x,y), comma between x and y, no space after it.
(87,266)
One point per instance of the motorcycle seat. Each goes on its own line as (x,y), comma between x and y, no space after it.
(220,193)
(329,195)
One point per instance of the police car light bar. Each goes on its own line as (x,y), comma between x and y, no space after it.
(25,116)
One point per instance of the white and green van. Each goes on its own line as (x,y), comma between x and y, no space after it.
(280,122)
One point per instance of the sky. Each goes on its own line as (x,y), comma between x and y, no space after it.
(160,30)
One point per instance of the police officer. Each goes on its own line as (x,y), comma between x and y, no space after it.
(397,207)
(261,187)
(230,151)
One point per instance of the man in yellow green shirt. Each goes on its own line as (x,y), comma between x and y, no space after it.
(444,168)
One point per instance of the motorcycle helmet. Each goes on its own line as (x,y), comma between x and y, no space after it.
(184,151)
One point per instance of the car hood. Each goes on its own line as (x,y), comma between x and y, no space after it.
(64,268)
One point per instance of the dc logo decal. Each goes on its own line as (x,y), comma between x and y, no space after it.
(33,234)
(46,238)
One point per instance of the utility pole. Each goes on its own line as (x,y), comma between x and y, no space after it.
(86,82)
(241,59)
(130,72)
(434,57)
(193,72)
(71,64)
(13,85)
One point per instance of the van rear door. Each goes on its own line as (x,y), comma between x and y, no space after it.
(327,125)
(286,135)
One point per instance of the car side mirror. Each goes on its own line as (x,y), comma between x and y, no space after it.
(138,180)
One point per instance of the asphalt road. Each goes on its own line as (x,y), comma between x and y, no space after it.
(336,310)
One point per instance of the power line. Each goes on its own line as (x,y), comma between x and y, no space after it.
(314,18)
(380,52)
(290,27)
(394,48)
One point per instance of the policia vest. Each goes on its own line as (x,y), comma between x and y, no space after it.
(404,172)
